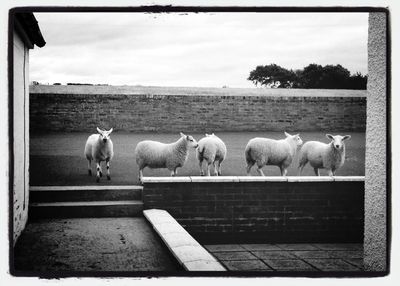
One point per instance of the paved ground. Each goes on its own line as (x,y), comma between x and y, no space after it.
(57,159)
(94,244)
(289,257)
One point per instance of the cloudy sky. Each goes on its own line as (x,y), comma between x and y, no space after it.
(205,49)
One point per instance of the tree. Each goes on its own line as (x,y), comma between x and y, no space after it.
(272,75)
(312,76)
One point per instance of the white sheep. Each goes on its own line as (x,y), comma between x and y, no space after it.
(324,156)
(265,151)
(155,154)
(99,147)
(213,150)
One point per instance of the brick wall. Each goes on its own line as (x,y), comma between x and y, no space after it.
(263,212)
(60,108)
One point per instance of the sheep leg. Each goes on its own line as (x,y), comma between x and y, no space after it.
(98,172)
(208,168)
(331,173)
(215,168)
(108,170)
(248,168)
(89,167)
(301,167)
(173,173)
(283,171)
(219,168)
(201,167)
(140,174)
(260,164)
(316,171)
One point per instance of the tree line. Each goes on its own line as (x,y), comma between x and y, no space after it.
(312,76)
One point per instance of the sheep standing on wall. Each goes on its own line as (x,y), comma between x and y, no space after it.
(213,150)
(324,156)
(265,151)
(99,147)
(155,154)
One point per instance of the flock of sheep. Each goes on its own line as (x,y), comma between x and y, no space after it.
(212,150)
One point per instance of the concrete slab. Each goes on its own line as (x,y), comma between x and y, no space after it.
(247,265)
(91,244)
(234,255)
(224,247)
(332,264)
(289,265)
(312,254)
(177,240)
(357,262)
(252,247)
(204,265)
(187,251)
(274,255)
(297,246)
(338,246)
(346,253)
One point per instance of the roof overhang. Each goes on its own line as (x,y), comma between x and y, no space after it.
(27,27)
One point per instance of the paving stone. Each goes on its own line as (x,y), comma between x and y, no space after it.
(247,265)
(252,247)
(289,265)
(358,262)
(273,254)
(331,264)
(346,254)
(339,246)
(223,247)
(297,246)
(312,254)
(234,255)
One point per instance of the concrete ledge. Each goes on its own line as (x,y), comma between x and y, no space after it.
(214,179)
(224,179)
(80,188)
(182,245)
(262,179)
(305,179)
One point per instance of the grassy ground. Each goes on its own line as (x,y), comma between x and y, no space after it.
(57,159)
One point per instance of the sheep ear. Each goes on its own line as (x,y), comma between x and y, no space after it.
(99,130)
(329,136)
(346,137)
(287,134)
(111,130)
(207,135)
(212,134)
(182,135)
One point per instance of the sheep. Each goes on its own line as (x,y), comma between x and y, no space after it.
(99,147)
(265,151)
(155,154)
(213,150)
(324,156)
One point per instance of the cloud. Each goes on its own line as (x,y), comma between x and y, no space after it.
(204,49)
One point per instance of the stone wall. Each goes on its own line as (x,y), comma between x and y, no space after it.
(72,108)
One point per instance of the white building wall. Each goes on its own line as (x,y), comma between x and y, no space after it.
(21,135)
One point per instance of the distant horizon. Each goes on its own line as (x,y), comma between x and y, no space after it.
(192,49)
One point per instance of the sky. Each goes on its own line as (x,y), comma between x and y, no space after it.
(193,49)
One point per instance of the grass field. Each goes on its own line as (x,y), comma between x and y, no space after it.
(57,159)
